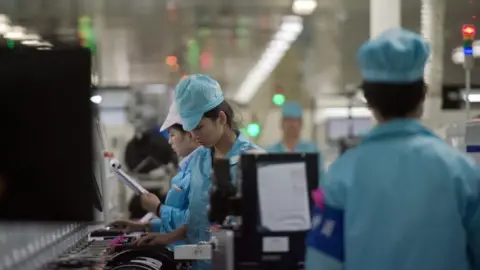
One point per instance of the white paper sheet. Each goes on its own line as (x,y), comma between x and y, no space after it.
(283,197)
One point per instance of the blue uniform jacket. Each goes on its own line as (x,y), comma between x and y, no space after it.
(198,225)
(174,213)
(402,200)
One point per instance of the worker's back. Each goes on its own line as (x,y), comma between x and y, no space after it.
(409,201)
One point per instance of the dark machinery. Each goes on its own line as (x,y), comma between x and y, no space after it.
(109,249)
(242,241)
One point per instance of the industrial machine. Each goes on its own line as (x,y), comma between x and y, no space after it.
(262,220)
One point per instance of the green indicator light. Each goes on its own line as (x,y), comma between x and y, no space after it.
(278,99)
(193,55)
(467,43)
(253,130)
(10,44)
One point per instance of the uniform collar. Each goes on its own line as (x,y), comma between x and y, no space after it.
(184,162)
(285,148)
(241,139)
(397,128)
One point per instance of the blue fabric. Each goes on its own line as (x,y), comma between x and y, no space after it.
(292,109)
(301,147)
(198,224)
(410,201)
(194,96)
(396,56)
(174,213)
(326,235)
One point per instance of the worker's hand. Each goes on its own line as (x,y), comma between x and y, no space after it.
(129,226)
(153,239)
(150,202)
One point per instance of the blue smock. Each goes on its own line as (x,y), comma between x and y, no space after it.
(401,200)
(301,147)
(198,224)
(174,213)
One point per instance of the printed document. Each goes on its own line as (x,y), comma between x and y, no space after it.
(283,197)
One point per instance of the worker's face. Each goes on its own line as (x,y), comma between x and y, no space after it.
(292,127)
(209,131)
(181,142)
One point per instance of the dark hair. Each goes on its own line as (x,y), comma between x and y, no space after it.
(225,108)
(178,128)
(394,100)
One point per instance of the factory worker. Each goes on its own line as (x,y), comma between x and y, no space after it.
(207,115)
(291,125)
(174,213)
(403,199)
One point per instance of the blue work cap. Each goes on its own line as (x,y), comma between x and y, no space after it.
(194,96)
(396,56)
(292,109)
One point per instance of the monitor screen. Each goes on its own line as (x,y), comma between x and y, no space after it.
(338,128)
(46,139)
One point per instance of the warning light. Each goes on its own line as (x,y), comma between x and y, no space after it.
(254,129)
(171,60)
(278,97)
(468,32)
(10,44)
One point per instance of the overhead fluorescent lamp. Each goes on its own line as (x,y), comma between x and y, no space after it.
(288,32)
(304,7)
(4,19)
(16,33)
(474,98)
(4,28)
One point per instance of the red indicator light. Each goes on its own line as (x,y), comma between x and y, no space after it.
(171,60)
(468,31)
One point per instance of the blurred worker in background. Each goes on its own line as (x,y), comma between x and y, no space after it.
(174,213)
(402,199)
(292,114)
(206,114)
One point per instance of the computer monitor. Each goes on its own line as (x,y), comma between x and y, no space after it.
(46,135)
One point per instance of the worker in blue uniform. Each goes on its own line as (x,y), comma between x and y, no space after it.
(206,114)
(402,199)
(174,213)
(292,114)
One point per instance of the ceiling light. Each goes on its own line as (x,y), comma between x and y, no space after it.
(97,99)
(31,42)
(16,33)
(4,19)
(304,7)
(292,27)
(32,37)
(286,36)
(288,32)
(4,28)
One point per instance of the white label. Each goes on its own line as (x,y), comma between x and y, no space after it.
(275,244)
(193,252)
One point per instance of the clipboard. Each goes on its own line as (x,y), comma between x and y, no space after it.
(126,179)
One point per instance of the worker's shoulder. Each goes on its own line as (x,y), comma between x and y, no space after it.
(273,147)
(308,145)
(437,150)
